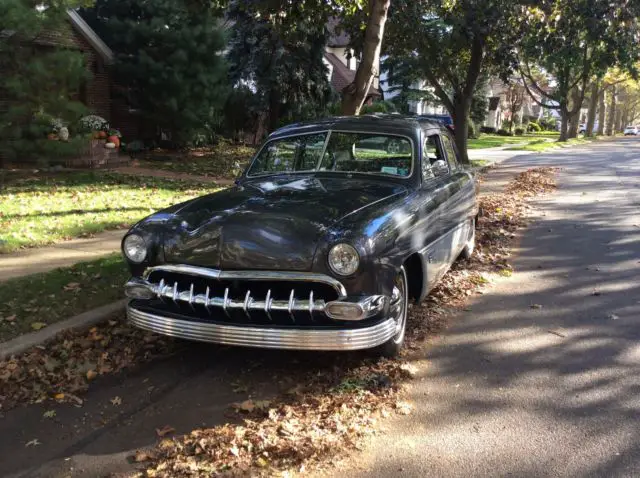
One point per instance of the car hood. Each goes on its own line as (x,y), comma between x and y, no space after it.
(272,224)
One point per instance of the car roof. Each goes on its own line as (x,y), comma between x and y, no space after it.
(374,123)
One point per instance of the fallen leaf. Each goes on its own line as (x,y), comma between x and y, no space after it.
(49,414)
(536,306)
(11,318)
(613,317)
(246,406)
(91,374)
(34,442)
(116,401)
(165,430)
(38,325)
(234,451)
(141,456)
(59,396)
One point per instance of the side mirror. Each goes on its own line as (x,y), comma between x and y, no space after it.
(440,168)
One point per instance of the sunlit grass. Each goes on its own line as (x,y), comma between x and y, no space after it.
(41,209)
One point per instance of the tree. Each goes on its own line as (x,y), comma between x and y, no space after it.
(279,55)
(355,93)
(515,96)
(449,44)
(168,57)
(38,82)
(574,41)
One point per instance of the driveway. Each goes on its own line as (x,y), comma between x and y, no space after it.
(541,377)
(509,389)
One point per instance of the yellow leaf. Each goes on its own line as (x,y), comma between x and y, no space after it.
(59,396)
(38,325)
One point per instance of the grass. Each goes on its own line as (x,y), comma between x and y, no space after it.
(28,303)
(222,161)
(40,209)
(479,163)
(544,145)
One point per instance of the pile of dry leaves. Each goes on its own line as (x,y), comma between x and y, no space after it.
(62,369)
(324,413)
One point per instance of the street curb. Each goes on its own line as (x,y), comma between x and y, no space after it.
(82,321)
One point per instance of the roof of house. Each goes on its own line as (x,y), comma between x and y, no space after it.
(91,36)
(341,76)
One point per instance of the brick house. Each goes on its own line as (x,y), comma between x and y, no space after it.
(99,93)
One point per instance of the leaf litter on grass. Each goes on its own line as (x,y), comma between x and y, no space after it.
(329,410)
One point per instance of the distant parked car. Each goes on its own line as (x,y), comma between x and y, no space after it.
(583,128)
(330,231)
(631,131)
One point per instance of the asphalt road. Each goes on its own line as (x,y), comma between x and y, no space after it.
(550,390)
(501,393)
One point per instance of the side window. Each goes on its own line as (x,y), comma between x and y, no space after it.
(433,158)
(451,153)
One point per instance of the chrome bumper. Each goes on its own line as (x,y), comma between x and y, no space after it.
(265,337)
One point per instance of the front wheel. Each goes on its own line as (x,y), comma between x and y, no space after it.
(398,310)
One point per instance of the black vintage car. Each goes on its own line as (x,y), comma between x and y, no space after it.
(330,231)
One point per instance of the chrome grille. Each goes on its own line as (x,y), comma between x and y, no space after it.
(241,296)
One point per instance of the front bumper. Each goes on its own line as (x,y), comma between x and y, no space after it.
(265,337)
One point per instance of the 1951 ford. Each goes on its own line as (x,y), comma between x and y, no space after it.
(330,231)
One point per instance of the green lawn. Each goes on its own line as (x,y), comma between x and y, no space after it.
(40,209)
(494,140)
(28,303)
(222,161)
(544,145)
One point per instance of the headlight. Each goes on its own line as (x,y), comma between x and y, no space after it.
(343,259)
(135,248)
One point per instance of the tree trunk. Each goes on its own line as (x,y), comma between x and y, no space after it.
(574,124)
(593,106)
(618,123)
(611,117)
(355,93)
(602,111)
(461,131)
(564,124)
(574,113)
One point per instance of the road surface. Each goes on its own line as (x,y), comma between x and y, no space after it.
(509,390)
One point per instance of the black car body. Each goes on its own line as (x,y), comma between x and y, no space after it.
(326,236)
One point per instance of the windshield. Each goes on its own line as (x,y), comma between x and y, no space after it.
(336,151)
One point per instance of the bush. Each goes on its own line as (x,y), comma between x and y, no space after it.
(519,131)
(504,132)
(534,127)
(487,129)
(379,107)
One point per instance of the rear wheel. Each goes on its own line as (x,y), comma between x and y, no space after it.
(470,245)
(398,310)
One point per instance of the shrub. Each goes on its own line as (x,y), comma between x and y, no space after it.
(519,131)
(487,129)
(379,107)
(90,123)
(504,132)
(534,127)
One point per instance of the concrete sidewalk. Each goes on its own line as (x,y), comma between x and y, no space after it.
(65,254)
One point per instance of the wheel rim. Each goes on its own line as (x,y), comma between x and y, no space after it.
(398,306)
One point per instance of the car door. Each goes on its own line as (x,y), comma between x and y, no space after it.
(460,207)
(434,192)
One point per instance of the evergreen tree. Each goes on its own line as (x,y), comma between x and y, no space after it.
(169,57)
(38,81)
(280,60)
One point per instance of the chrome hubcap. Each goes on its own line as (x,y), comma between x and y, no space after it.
(398,306)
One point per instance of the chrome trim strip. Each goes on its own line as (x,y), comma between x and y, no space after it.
(250,275)
(269,338)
